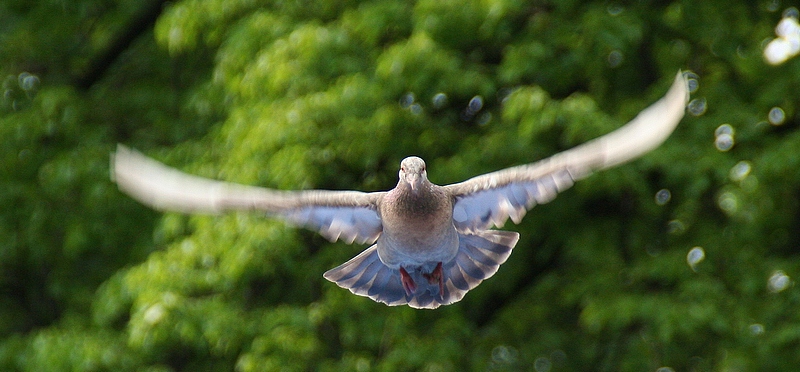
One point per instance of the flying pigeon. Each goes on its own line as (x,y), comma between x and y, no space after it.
(432,244)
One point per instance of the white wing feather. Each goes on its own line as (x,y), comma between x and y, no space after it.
(346,215)
(489,200)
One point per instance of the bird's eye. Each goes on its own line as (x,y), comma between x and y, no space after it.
(402,168)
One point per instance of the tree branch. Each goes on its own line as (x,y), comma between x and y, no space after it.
(139,24)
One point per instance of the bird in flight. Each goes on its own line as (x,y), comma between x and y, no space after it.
(432,244)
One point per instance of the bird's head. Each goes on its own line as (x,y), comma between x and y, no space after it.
(413,173)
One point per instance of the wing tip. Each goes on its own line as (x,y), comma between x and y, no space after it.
(681,84)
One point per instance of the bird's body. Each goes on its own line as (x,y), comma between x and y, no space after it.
(417,224)
(432,243)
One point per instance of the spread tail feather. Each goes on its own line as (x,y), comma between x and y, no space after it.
(366,275)
(479,256)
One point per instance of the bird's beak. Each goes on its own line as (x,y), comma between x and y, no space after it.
(414,181)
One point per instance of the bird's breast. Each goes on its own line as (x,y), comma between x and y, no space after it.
(417,228)
(420,212)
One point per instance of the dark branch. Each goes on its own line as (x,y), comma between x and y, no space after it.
(139,24)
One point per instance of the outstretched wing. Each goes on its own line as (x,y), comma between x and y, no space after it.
(346,215)
(489,200)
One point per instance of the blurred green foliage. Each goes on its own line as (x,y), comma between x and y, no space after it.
(305,94)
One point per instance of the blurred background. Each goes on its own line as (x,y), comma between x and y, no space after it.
(683,260)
